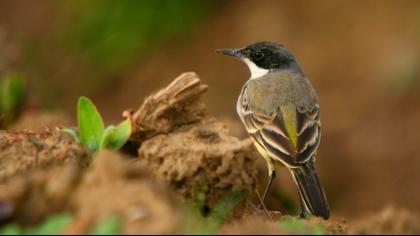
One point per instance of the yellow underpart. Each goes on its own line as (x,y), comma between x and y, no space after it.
(289,117)
(263,152)
(267,156)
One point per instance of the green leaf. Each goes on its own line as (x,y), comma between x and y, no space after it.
(194,220)
(71,132)
(91,125)
(107,226)
(52,225)
(106,136)
(12,92)
(225,205)
(222,210)
(196,223)
(199,199)
(115,137)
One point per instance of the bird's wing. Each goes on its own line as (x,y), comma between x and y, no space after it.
(290,134)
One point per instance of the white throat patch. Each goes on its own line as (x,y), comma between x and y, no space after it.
(254,69)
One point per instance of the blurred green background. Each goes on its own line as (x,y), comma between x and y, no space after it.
(73,47)
(363,58)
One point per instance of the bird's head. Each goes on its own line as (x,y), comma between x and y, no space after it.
(263,57)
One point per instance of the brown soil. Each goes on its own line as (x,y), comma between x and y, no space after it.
(389,220)
(21,151)
(186,149)
(28,197)
(179,150)
(46,171)
(202,156)
(257,225)
(117,185)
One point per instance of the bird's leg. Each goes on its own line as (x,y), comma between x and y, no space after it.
(261,205)
(267,189)
(302,213)
(272,176)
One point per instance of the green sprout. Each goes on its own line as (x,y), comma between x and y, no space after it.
(92,131)
(12,94)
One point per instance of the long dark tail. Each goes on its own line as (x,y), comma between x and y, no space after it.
(310,190)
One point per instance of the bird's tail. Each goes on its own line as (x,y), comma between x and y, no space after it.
(310,190)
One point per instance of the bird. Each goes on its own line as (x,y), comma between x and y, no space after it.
(279,108)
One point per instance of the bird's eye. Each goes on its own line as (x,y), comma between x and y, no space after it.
(258,55)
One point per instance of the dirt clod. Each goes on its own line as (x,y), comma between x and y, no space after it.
(116,185)
(21,151)
(29,197)
(187,149)
(202,156)
(176,105)
(38,173)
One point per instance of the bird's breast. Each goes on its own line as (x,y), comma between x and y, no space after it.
(268,93)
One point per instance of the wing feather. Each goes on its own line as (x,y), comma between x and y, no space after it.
(271,133)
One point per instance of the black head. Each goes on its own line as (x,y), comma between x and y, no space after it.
(265,55)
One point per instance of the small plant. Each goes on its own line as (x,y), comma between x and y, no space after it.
(12,94)
(199,224)
(92,131)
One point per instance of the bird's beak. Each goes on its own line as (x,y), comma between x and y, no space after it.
(230,51)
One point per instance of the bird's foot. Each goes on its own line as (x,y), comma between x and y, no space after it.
(303,215)
(261,205)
